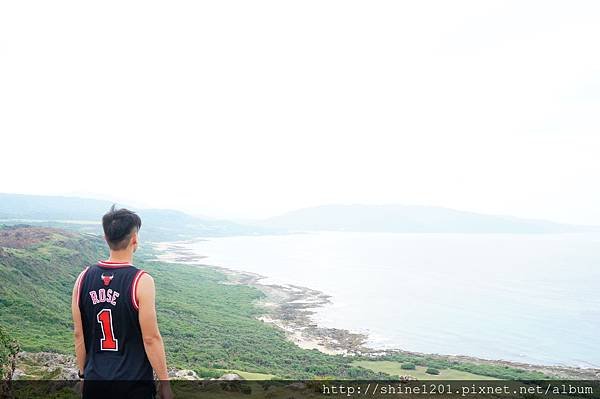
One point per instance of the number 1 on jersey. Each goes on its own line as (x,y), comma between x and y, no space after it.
(108,341)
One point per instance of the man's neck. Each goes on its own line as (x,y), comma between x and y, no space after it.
(121,257)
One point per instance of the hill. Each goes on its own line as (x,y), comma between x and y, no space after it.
(409,219)
(84,214)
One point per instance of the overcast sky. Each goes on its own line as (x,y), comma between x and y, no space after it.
(247,109)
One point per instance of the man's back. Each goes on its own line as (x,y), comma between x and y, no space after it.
(109,315)
(115,329)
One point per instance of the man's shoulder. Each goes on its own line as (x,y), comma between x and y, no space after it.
(145,284)
(145,278)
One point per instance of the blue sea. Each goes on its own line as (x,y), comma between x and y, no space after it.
(528,298)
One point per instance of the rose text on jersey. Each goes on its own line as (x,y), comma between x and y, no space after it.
(104,296)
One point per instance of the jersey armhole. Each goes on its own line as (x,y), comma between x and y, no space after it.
(134,284)
(79,283)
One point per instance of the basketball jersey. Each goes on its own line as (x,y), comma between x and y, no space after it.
(111,329)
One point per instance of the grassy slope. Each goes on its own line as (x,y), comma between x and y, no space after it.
(206,325)
(35,291)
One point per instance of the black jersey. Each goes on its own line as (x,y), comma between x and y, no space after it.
(111,329)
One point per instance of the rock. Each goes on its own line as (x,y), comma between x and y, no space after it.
(18,374)
(45,365)
(230,377)
(183,375)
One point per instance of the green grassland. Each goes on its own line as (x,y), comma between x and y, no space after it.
(393,368)
(499,371)
(207,326)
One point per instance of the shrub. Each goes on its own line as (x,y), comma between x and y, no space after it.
(208,373)
(432,371)
(408,366)
(8,353)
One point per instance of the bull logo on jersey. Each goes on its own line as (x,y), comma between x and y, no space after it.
(106,279)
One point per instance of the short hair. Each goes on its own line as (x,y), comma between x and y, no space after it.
(118,225)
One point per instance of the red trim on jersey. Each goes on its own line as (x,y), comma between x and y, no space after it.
(134,284)
(79,281)
(106,263)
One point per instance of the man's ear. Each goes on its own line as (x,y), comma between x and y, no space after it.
(134,239)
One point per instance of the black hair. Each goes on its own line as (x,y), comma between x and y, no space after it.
(118,225)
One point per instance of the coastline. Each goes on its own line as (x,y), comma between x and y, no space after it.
(290,307)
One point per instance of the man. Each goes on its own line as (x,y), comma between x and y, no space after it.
(117,341)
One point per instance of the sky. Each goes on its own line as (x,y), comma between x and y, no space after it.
(248,109)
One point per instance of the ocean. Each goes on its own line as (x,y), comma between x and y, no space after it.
(532,298)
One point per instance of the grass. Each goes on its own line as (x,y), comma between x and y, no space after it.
(499,371)
(251,376)
(393,368)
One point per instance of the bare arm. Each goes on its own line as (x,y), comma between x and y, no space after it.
(153,342)
(78,330)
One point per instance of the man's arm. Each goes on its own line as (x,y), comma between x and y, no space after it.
(153,342)
(78,329)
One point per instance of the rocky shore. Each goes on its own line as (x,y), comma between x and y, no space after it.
(290,308)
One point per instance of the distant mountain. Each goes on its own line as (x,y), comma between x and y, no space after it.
(409,219)
(22,206)
(84,215)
